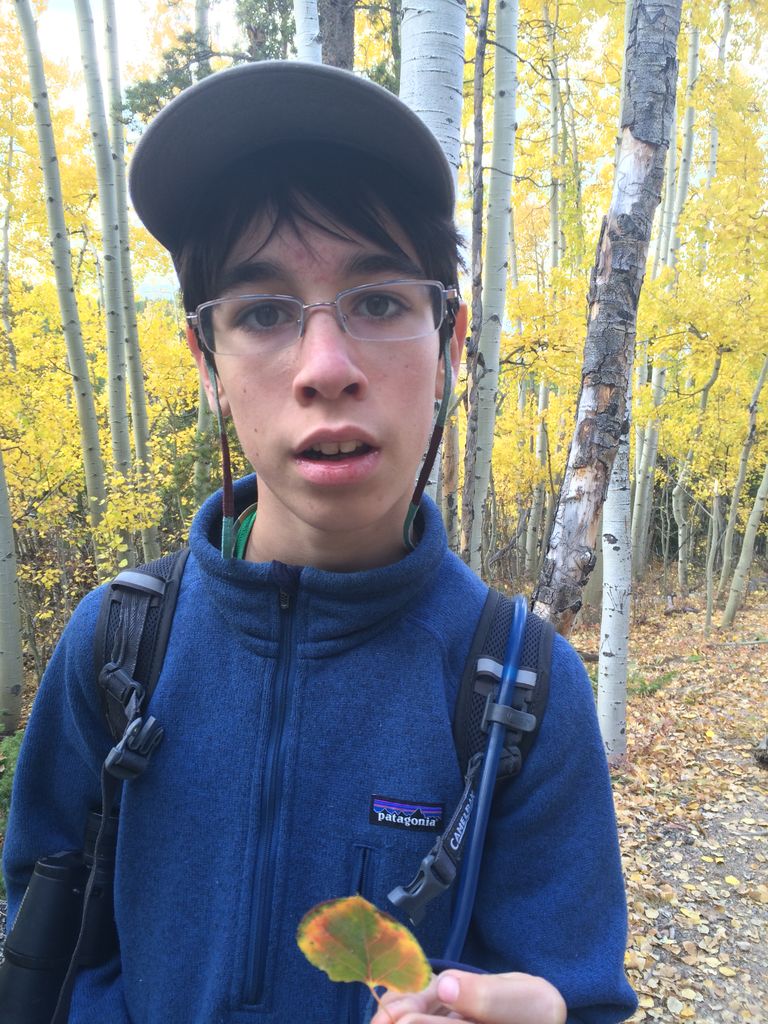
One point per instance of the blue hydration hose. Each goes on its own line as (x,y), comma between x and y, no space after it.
(470,872)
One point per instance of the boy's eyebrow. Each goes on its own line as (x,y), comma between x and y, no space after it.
(384,262)
(254,272)
(249,272)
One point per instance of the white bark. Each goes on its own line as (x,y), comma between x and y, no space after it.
(741,476)
(668,215)
(615,285)
(641,516)
(554,122)
(116,363)
(540,490)
(203,36)
(139,420)
(5,259)
(617,595)
(679,492)
(432,69)
(715,527)
(11,664)
(741,573)
(62,265)
(713,129)
(202,467)
(496,264)
(307,39)
(687,150)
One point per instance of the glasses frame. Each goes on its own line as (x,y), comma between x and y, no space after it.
(449,298)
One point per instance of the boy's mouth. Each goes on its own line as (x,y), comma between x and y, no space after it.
(335,451)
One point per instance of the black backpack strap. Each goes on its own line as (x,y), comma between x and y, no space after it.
(129,647)
(475,709)
(130,639)
(480,681)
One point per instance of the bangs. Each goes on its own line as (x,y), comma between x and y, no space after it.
(336,190)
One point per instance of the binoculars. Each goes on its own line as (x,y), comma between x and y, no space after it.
(41,943)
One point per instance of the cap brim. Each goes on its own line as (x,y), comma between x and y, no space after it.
(248,108)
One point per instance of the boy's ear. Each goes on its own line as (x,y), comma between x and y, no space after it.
(202,368)
(459,338)
(455,349)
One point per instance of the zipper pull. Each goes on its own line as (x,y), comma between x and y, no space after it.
(285,601)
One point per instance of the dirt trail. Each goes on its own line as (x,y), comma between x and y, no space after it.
(692,805)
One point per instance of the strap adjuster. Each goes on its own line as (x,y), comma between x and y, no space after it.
(130,757)
(511,718)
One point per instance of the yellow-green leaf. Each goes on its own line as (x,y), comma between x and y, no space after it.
(351,940)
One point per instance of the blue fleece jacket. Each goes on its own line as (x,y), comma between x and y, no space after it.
(293,700)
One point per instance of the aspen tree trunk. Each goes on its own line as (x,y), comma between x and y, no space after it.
(679,503)
(337,32)
(395,12)
(687,151)
(641,513)
(11,664)
(139,419)
(741,572)
(116,364)
(201,473)
(451,482)
(554,120)
(432,83)
(613,297)
(62,265)
(741,476)
(540,490)
(641,380)
(307,38)
(715,530)
(496,264)
(577,177)
(203,37)
(713,129)
(471,352)
(616,606)
(616,550)
(669,197)
(5,301)
(432,71)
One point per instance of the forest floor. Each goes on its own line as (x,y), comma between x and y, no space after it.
(692,806)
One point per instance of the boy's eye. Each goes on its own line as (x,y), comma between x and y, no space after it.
(378,305)
(264,315)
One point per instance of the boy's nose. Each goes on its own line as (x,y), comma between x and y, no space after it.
(327,358)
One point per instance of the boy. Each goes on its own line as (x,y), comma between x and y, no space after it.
(318,641)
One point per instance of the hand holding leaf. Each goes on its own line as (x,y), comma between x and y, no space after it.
(351,940)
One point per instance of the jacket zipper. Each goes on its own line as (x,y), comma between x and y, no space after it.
(266,852)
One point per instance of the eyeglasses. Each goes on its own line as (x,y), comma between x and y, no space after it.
(243,325)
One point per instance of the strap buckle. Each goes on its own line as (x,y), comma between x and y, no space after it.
(130,757)
(123,697)
(436,874)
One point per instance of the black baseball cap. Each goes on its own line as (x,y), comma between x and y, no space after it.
(244,110)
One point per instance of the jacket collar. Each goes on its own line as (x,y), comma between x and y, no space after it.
(331,606)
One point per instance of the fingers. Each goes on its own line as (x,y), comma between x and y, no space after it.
(479,999)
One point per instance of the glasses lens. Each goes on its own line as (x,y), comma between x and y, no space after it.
(251,323)
(394,311)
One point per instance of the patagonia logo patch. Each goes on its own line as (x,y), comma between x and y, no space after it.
(423,816)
